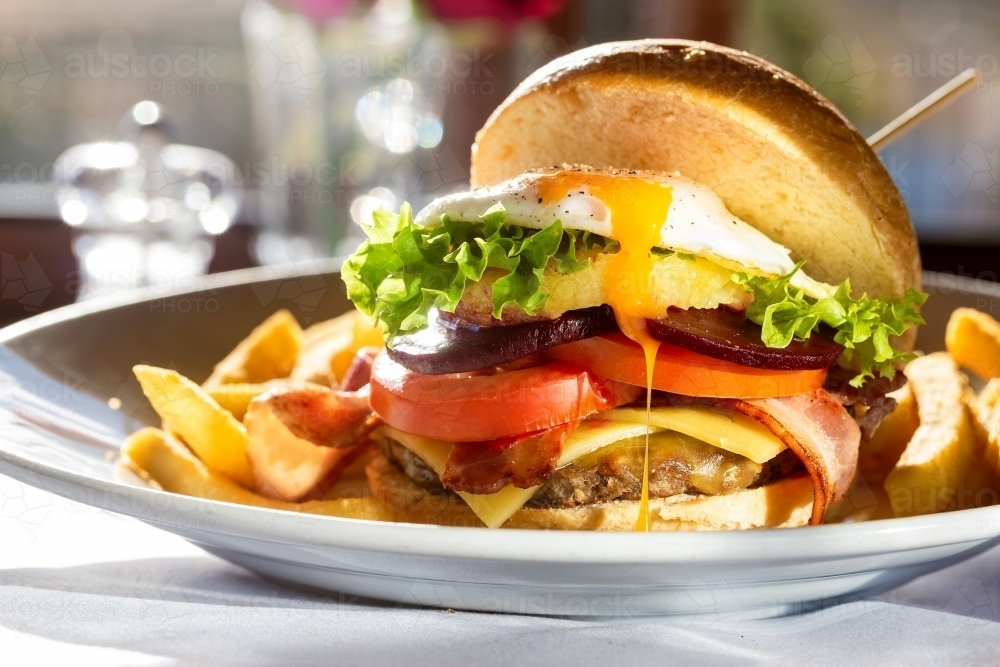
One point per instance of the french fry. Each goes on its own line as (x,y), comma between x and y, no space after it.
(880,453)
(236,397)
(188,411)
(154,453)
(938,458)
(973,339)
(269,352)
(329,347)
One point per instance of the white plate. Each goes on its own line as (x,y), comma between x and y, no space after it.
(57,432)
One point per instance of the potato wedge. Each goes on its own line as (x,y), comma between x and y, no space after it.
(973,339)
(188,411)
(269,352)
(985,410)
(154,453)
(938,459)
(329,348)
(236,397)
(363,334)
(322,330)
(880,453)
(302,438)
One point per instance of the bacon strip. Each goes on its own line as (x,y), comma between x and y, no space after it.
(323,416)
(523,461)
(820,431)
(815,426)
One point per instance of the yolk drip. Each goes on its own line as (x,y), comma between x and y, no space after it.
(638,210)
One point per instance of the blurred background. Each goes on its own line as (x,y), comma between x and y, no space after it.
(148,143)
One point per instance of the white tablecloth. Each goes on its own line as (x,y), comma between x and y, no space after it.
(79,586)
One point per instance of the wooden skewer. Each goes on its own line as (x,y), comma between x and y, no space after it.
(925,108)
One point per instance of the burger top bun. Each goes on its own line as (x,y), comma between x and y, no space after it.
(778,153)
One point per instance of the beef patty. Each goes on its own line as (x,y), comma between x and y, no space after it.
(677,464)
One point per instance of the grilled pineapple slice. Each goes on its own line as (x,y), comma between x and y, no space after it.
(676,280)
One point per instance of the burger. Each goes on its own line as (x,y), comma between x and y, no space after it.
(675,297)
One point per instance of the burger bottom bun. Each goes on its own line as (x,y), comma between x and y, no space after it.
(784,504)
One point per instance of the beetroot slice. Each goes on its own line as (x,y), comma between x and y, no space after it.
(728,335)
(450,346)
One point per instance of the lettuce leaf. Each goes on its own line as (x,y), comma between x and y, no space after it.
(863,326)
(404,270)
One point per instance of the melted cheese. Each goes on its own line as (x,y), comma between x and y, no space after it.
(725,429)
(637,209)
(495,508)
(721,428)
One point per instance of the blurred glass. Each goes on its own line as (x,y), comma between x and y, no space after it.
(330,108)
(288,96)
(145,210)
(874,60)
(335,106)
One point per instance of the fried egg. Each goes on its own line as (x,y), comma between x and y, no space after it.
(639,209)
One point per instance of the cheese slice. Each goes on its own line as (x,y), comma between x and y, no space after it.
(495,508)
(594,434)
(721,427)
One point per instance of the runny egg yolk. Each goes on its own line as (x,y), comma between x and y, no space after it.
(638,210)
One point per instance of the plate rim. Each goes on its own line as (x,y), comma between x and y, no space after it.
(146,294)
(829,541)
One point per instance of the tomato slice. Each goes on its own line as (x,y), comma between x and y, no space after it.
(682,371)
(465,407)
